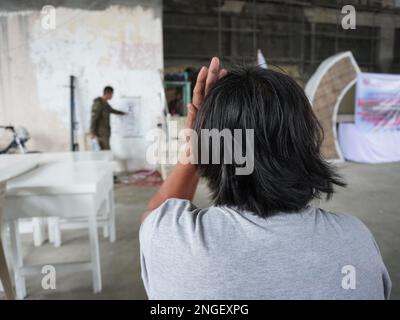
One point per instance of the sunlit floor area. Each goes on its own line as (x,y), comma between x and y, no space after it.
(372,195)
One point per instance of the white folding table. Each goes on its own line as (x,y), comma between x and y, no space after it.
(59,189)
(46,157)
(54,225)
(8,170)
(106,221)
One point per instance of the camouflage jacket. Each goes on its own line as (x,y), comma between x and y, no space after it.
(100,118)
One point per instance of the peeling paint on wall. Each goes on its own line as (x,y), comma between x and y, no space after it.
(19,99)
(119,46)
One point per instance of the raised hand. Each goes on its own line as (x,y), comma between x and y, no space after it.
(206,79)
(183,180)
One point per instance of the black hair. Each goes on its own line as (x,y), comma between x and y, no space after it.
(108,89)
(289,170)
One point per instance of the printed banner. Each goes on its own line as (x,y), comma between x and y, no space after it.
(377,105)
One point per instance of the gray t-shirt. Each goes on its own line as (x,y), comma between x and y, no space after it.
(223,253)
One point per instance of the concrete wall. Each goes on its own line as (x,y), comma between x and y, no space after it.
(118,44)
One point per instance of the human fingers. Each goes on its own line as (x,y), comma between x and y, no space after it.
(191,116)
(222,73)
(198,91)
(213,72)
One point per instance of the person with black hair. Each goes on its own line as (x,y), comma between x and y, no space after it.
(261,238)
(100,118)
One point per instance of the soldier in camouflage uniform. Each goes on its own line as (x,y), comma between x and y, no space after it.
(100,119)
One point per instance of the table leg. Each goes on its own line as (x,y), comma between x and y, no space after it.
(39,226)
(5,277)
(112,215)
(95,253)
(56,232)
(20,286)
(50,229)
(5,274)
(106,228)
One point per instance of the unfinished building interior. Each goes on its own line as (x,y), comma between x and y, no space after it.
(294,35)
(151,52)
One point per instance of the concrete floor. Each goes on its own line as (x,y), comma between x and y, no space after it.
(373,195)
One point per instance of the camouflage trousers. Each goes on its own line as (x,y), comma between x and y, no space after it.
(104,143)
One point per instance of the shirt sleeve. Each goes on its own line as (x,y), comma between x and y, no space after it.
(114,111)
(171,219)
(386,281)
(173,214)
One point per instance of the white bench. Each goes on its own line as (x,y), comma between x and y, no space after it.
(8,170)
(67,190)
(43,229)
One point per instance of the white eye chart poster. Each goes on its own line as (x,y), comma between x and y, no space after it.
(131,124)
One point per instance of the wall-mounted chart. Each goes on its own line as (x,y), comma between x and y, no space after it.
(130,126)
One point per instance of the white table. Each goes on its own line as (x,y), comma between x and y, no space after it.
(8,170)
(60,189)
(54,225)
(50,157)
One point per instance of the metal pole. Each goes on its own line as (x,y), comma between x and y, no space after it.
(219,29)
(312,44)
(254,28)
(302,40)
(374,43)
(72,113)
(337,26)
